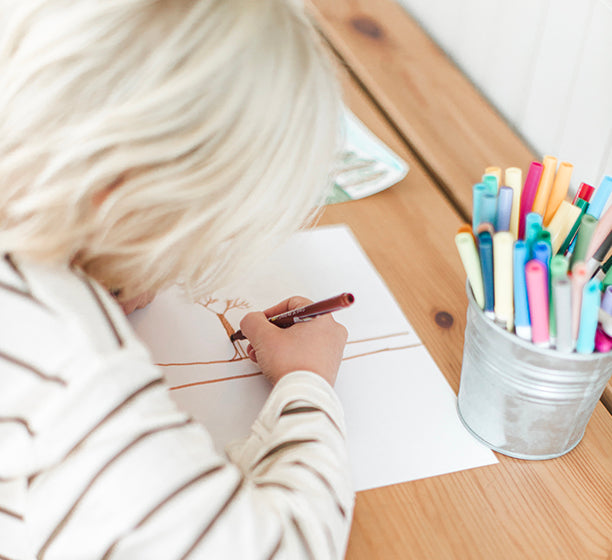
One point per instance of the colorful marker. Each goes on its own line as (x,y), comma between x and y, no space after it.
(600,198)
(478,190)
(559,266)
(306,313)
(504,209)
(514,180)
(582,205)
(485,247)
(502,274)
(522,322)
(585,233)
(546,182)
(537,294)
(529,191)
(585,192)
(488,208)
(562,296)
(579,280)
(471,263)
(591,299)
(559,190)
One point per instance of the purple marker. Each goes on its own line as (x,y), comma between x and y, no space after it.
(605,311)
(528,195)
(504,209)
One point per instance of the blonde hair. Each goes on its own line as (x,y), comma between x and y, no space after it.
(156,141)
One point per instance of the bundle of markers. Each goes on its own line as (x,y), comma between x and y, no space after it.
(539,265)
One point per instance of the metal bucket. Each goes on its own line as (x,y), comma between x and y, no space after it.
(524,401)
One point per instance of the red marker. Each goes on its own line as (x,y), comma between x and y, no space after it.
(585,192)
(306,313)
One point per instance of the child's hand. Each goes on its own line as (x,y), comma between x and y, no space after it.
(315,345)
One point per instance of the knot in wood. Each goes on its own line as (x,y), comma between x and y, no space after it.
(367,26)
(444,319)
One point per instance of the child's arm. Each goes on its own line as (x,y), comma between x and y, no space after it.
(117,472)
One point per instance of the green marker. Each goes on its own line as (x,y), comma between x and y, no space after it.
(559,265)
(587,227)
(583,205)
(607,281)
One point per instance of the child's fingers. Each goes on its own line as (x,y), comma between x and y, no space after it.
(289,304)
(251,353)
(255,326)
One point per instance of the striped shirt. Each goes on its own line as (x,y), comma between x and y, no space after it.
(96,461)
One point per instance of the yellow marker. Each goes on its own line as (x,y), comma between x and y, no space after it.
(514,180)
(559,190)
(471,263)
(503,243)
(495,171)
(561,224)
(546,182)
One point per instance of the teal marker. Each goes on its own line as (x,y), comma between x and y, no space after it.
(591,300)
(485,248)
(491,182)
(533,227)
(478,190)
(488,208)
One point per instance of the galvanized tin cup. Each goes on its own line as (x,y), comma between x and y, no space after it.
(524,401)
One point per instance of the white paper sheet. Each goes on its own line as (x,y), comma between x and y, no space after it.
(400,412)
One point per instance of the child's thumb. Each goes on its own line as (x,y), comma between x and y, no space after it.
(255,326)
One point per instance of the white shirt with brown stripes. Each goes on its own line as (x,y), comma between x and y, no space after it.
(96,462)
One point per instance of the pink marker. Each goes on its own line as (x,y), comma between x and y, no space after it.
(537,293)
(580,277)
(529,193)
(603,343)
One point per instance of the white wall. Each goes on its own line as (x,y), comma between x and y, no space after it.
(546,65)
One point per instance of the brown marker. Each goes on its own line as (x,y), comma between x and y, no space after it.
(305,313)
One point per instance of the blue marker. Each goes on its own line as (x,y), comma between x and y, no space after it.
(543,252)
(504,209)
(522,322)
(600,197)
(488,208)
(591,300)
(478,190)
(485,247)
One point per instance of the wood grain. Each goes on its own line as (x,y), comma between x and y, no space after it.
(560,508)
(448,124)
(433,107)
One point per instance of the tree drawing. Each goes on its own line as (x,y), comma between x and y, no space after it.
(209,305)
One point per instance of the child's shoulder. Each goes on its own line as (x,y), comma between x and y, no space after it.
(49,311)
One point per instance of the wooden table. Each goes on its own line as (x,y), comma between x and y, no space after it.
(560,508)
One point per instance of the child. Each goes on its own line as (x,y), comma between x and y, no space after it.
(144,143)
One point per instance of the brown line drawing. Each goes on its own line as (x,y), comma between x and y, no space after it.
(237,303)
(215,380)
(378,337)
(202,363)
(237,359)
(209,381)
(382,350)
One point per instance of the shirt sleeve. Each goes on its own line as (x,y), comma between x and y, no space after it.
(149,484)
(115,471)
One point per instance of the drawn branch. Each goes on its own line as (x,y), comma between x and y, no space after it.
(208,302)
(236,304)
